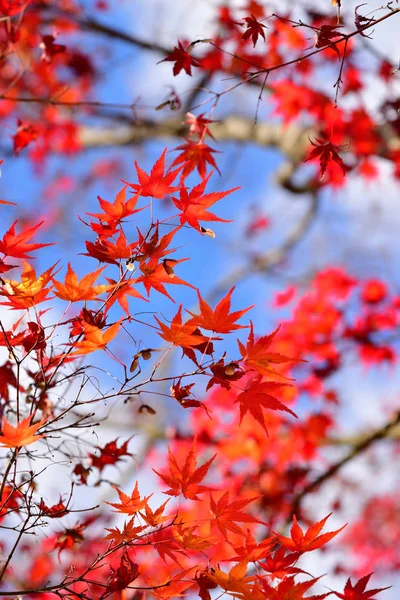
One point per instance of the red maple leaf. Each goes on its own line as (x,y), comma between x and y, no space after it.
(228,514)
(182,58)
(358,591)
(205,584)
(180,334)
(163,273)
(25,134)
(49,48)
(326,153)
(121,577)
(119,209)
(109,454)
(198,125)
(194,205)
(110,252)
(326,35)
(186,479)
(280,565)
(7,377)
(94,339)
(74,290)
(219,320)
(252,550)
(195,154)
(289,589)
(224,374)
(257,356)
(68,538)
(159,183)
(258,396)
(154,247)
(120,291)
(17,245)
(54,512)
(311,540)
(254,29)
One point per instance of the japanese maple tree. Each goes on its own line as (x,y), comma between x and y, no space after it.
(173,397)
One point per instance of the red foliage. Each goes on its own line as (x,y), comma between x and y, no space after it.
(238,435)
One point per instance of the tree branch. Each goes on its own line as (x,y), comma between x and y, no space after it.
(379,434)
(269,259)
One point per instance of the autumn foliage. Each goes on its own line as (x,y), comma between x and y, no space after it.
(158,438)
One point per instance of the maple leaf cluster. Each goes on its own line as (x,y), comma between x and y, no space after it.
(254,410)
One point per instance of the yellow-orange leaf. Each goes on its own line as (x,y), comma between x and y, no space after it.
(31,290)
(74,290)
(235,581)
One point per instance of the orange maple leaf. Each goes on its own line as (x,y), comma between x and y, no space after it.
(132,504)
(186,537)
(219,320)
(17,245)
(256,354)
(94,338)
(22,434)
(235,581)
(227,515)
(194,204)
(74,290)
(158,183)
(180,334)
(185,480)
(153,518)
(172,587)
(311,540)
(126,534)
(257,396)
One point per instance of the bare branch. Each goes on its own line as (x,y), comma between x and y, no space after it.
(379,434)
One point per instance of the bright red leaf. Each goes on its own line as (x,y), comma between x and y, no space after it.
(311,540)
(182,59)
(186,479)
(194,205)
(219,320)
(258,396)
